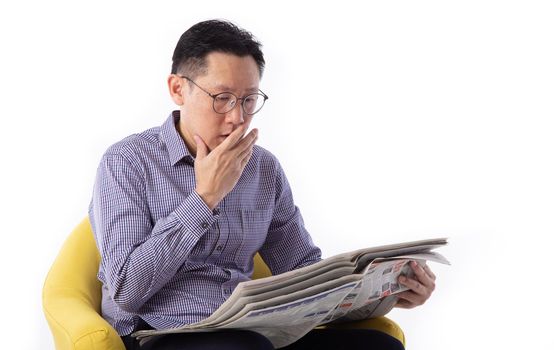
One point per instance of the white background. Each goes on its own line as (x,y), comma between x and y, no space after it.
(394,120)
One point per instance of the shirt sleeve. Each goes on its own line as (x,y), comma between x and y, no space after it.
(288,245)
(138,257)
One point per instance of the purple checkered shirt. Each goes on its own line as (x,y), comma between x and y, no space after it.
(166,257)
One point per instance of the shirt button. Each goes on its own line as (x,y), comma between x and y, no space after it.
(219,248)
(205,225)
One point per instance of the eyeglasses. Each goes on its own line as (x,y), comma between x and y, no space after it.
(224,102)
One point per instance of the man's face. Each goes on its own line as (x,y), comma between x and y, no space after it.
(225,73)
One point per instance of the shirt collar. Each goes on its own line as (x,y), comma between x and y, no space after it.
(175,144)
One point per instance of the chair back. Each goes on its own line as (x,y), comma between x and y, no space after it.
(75,269)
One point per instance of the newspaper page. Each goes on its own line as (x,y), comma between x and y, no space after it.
(258,291)
(374,295)
(286,323)
(281,321)
(349,286)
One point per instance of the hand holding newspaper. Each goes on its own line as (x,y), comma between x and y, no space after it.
(352,286)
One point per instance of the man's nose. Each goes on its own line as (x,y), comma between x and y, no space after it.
(236,115)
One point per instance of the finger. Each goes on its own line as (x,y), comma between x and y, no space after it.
(413,285)
(201,148)
(422,276)
(244,149)
(409,300)
(246,158)
(403,304)
(234,137)
(247,142)
(429,272)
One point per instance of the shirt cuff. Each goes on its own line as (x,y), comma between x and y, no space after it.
(195,215)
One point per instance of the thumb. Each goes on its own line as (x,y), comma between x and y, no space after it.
(201,148)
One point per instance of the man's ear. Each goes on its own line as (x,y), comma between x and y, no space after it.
(175,85)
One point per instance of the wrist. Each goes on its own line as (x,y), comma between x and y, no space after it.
(209,198)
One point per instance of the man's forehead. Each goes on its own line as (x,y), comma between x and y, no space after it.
(229,72)
(218,61)
(225,87)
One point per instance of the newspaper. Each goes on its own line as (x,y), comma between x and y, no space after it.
(351,286)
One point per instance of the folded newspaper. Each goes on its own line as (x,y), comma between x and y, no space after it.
(351,286)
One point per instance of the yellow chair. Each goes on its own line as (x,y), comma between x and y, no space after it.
(72,294)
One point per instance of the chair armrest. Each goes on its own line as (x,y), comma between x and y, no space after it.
(75,324)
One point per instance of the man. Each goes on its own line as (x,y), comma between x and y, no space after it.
(179,211)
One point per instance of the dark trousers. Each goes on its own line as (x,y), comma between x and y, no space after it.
(335,339)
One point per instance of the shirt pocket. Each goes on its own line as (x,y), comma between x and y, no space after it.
(255,224)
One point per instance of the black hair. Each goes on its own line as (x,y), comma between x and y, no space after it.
(189,57)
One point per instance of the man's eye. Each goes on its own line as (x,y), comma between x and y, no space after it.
(223,98)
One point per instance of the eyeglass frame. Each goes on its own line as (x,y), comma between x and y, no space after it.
(214,96)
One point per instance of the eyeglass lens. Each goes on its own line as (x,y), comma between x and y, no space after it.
(251,104)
